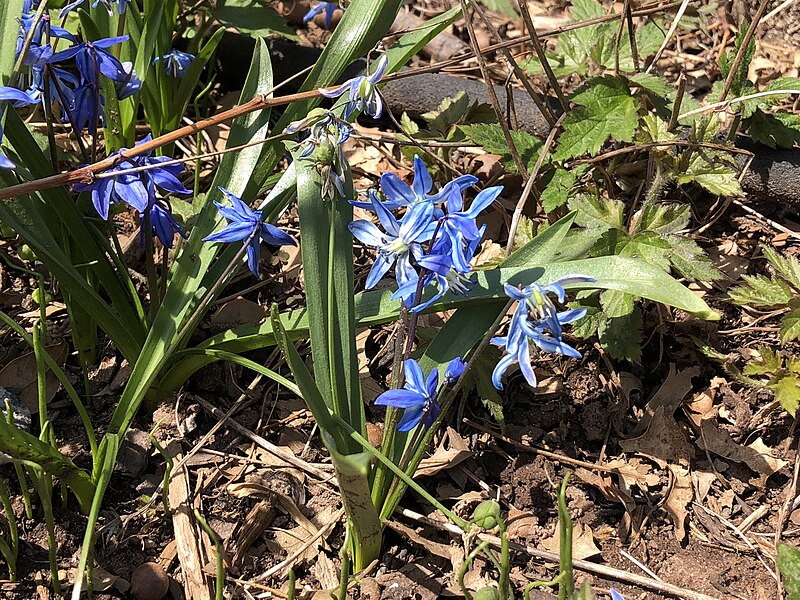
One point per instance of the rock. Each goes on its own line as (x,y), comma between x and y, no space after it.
(134,452)
(149,582)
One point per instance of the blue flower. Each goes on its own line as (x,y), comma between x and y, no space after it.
(91,58)
(246,225)
(458,227)
(454,370)
(363,92)
(398,243)
(398,193)
(615,595)
(324,135)
(122,5)
(175,62)
(417,397)
(26,21)
(544,331)
(328,7)
(164,224)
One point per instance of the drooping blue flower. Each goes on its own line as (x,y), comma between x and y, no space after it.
(398,244)
(324,131)
(247,225)
(122,6)
(138,188)
(92,60)
(40,33)
(362,92)
(545,331)
(398,193)
(175,62)
(417,397)
(164,224)
(327,7)
(454,370)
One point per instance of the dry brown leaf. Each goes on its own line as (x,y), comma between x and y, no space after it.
(19,376)
(701,481)
(680,495)
(757,455)
(583,546)
(522,524)
(236,312)
(664,441)
(607,487)
(325,571)
(669,395)
(453,450)
(634,472)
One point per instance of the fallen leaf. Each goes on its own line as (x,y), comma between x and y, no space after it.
(451,451)
(19,376)
(236,312)
(583,546)
(701,481)
(680,495)
(664,441)
(522,524)
(669,395)
(607,487)
(757,455)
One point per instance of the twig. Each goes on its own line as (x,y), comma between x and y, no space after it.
(772,223)
(526,191)
(584,565)
(670,32)
(540,53)
(520,74)
(720,104)
(639,564)
(737,61)
(492,93)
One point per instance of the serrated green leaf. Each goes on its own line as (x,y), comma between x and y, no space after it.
(769,363)
(607,110)
(589,324)
(650,247)
(559,189)
(789,564)
(780,129)
(656,84)
(790,326)
(594,212)
(654,129)
(787,392)
(616,303)
(705,170)
(663,218)
(762,291)
(691,261)
(449,113)
(787,266)
(621,337)
(726,61)
(490,136)
(408,125)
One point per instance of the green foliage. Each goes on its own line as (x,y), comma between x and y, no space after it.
(504,7)
(782,375)
(651,234)
(789,565)
(592,49)
(252,18)
(490,136)
(606,109)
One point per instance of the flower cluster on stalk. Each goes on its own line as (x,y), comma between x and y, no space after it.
(419,396)
(138,189)
(49,75)
(434,240)
(536,323)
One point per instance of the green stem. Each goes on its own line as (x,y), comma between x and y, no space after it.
(152,277)
(566,589)
(465,567)
(219,551)
(11,558)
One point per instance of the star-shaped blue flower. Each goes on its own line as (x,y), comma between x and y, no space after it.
(247,225)
(544,331)
(398,243)
(175,62)
(363,92)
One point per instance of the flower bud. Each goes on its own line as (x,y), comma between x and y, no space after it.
(454,370)
(487,593)
(486,514)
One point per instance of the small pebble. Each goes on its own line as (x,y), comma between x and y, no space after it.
(149,582)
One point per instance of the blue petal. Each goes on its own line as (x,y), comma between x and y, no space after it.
(366,232)
(432,382)
(414,376)
(400,399)
(396,190)
(411,418)
(422,178)
(502,366)
(483,200)
(235,232)
(253,255)
(274,236)
(379,268)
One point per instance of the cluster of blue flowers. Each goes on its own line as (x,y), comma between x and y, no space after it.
(419,396)
(536,321)
(79,98)
(137,189)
